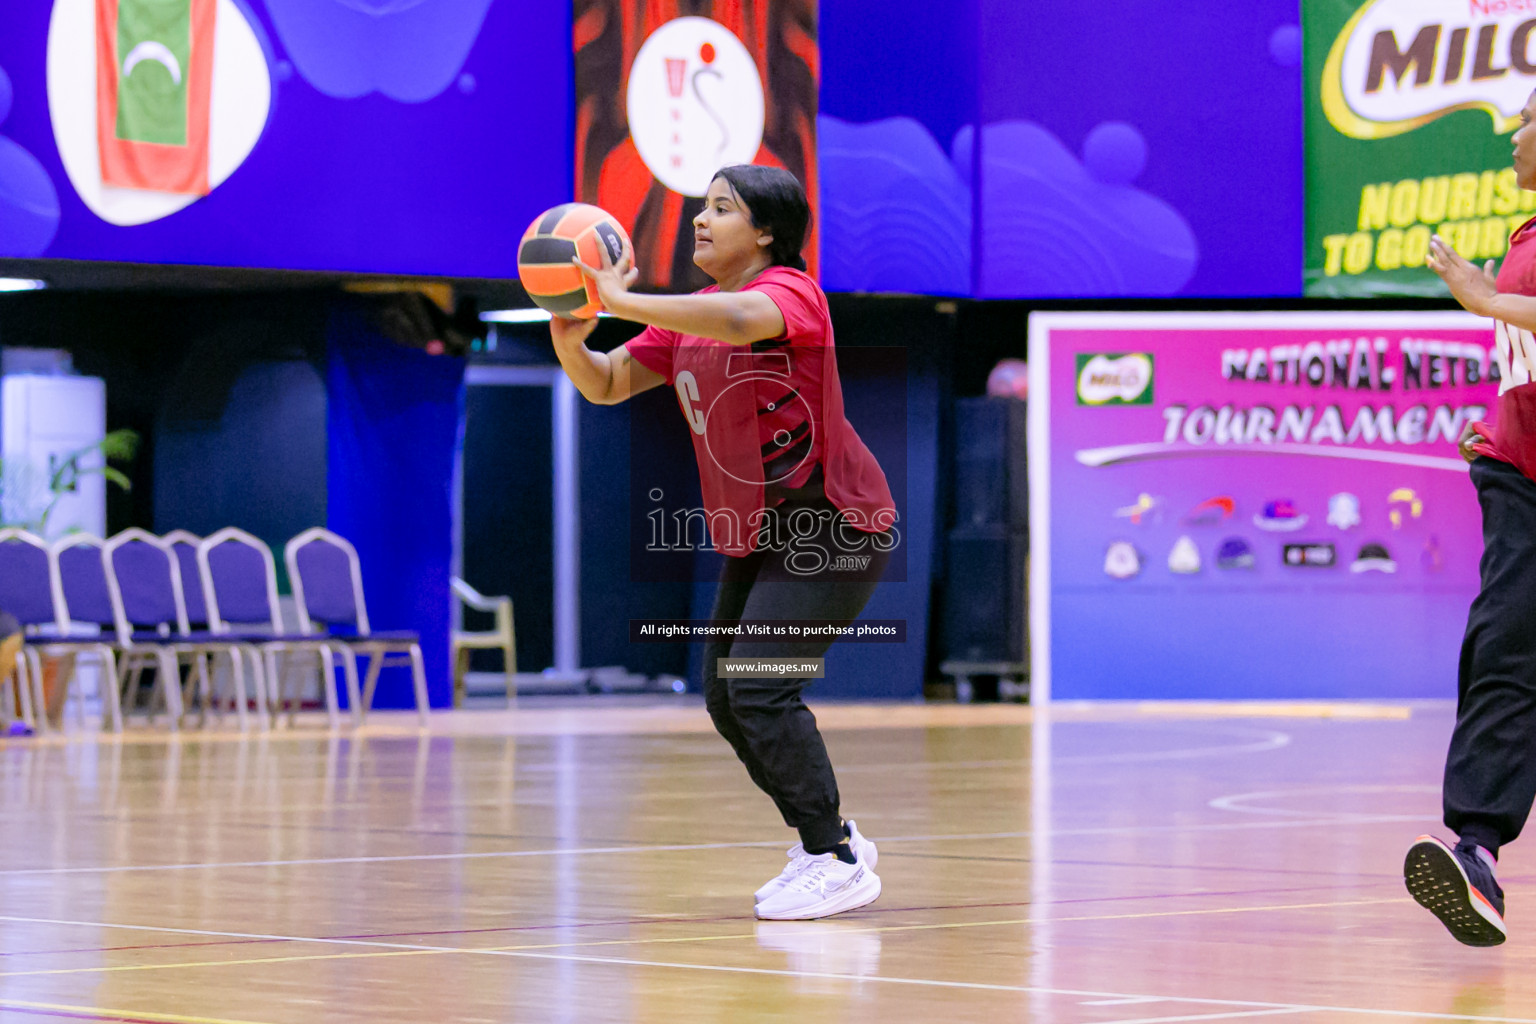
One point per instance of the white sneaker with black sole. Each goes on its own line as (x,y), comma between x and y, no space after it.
(824,886)
(862,848)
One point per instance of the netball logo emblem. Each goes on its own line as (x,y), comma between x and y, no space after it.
(695,103)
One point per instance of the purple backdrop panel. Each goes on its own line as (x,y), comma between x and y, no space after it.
(1253,505)
(1139,111)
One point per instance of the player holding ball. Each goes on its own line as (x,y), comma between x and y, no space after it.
(783,474)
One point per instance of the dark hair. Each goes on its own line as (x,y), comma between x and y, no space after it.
(776,203)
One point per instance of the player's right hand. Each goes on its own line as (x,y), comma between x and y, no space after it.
(568,333)
(1469,437)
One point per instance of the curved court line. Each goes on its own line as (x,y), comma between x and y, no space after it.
(1231,802)
(1272,740)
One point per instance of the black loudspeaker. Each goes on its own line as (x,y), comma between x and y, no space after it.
(984,594)
(991,473)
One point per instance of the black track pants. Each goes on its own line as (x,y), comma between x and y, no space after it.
(1490,773)
(765,720)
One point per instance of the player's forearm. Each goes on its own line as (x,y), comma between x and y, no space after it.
(737,318)
(591,372)
(1515,310)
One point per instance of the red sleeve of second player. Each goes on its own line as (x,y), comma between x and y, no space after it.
(653,348)
(800,302)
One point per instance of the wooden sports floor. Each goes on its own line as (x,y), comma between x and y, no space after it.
(1135,865)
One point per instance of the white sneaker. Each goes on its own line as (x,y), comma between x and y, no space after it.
(824,886)
(797,859)
(862,848)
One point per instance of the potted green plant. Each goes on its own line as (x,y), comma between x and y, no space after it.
(28,498)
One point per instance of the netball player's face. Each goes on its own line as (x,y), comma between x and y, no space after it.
(724,240)
(1525,146)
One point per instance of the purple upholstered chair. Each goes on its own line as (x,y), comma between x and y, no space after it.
(27,592)
(149,612)
(239,580)
(328,588)
(83,602)
(183,544)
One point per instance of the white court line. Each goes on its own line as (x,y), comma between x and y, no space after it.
(1372,819)
(1207,1016)
(978,986)
(1238,801)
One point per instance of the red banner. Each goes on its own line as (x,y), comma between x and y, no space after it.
(154,78)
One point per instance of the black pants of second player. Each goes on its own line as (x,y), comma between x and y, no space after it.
(765,720)
(1490,772)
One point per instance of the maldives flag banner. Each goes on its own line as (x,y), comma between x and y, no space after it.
(154,76)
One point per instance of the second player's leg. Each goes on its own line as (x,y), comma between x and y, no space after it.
(1490,773)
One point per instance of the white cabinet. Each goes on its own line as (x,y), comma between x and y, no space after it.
(43,420)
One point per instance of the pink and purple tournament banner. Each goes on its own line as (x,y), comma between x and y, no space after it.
(1252,505)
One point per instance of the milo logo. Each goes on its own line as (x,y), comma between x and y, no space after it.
(1399,64)
(1114,379)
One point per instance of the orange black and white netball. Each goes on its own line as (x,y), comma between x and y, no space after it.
(544,257)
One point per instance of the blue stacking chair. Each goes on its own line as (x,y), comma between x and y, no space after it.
(328,588)
(239,585)
(149,613)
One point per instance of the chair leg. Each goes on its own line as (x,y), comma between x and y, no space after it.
(509,668)
(29,669)
(111,698)
(134,678)
(259,680)
(419,682)
(355,699)
(327,688)
(170,672)
(67,677)
(375,666)
(205,688)
(237,671)
(10,696)
(19,688)
(460,670)
(274,661)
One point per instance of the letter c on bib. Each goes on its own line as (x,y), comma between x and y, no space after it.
(688,398)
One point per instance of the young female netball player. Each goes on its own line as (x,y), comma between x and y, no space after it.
(1490,771)
(785,479)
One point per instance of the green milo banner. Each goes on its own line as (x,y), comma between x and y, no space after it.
(1409,109)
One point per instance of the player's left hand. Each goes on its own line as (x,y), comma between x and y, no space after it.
(1471,287)
(612,280)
